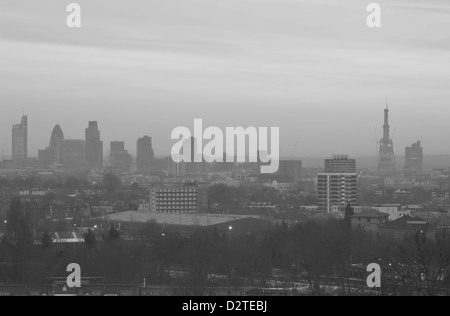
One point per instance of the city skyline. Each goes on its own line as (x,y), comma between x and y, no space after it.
(235,148)
(134,151)
(161,68)
(53,153)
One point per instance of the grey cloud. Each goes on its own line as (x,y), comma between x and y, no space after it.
(155,65)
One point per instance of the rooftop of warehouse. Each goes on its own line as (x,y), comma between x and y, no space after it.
(185,219)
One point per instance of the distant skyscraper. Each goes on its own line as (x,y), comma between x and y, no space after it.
(117,147)
(337,185)
(414,158)
(73,155)
(20,139)
(53,152)
(120,158)
(291,169)
(94,147)
(386,162)
(56,141)
(145,154)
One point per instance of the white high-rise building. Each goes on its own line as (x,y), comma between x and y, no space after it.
(337,185)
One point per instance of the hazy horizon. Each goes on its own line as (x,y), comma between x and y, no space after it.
(310,67)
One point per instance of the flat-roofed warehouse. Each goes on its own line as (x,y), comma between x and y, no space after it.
(235,224)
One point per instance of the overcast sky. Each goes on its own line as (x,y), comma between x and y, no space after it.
(311,67)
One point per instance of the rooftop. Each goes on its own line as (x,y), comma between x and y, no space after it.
(370,214)
(405,223)
(176,218)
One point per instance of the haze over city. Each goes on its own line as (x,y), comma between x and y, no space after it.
(247,149)
(311,68)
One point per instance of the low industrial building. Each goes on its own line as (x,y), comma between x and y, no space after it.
(233,224)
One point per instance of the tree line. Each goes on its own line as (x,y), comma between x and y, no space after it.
(307,253)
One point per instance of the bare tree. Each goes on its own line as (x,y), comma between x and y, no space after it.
(423,263)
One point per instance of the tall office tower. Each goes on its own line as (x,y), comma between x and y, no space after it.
(414,158)
(94,147)
(52,153)
(337,185)
(56,142)
(386,159)
(117,147)
(20,139)
(145,154)
(73,155)
(291,169)
(120,158)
